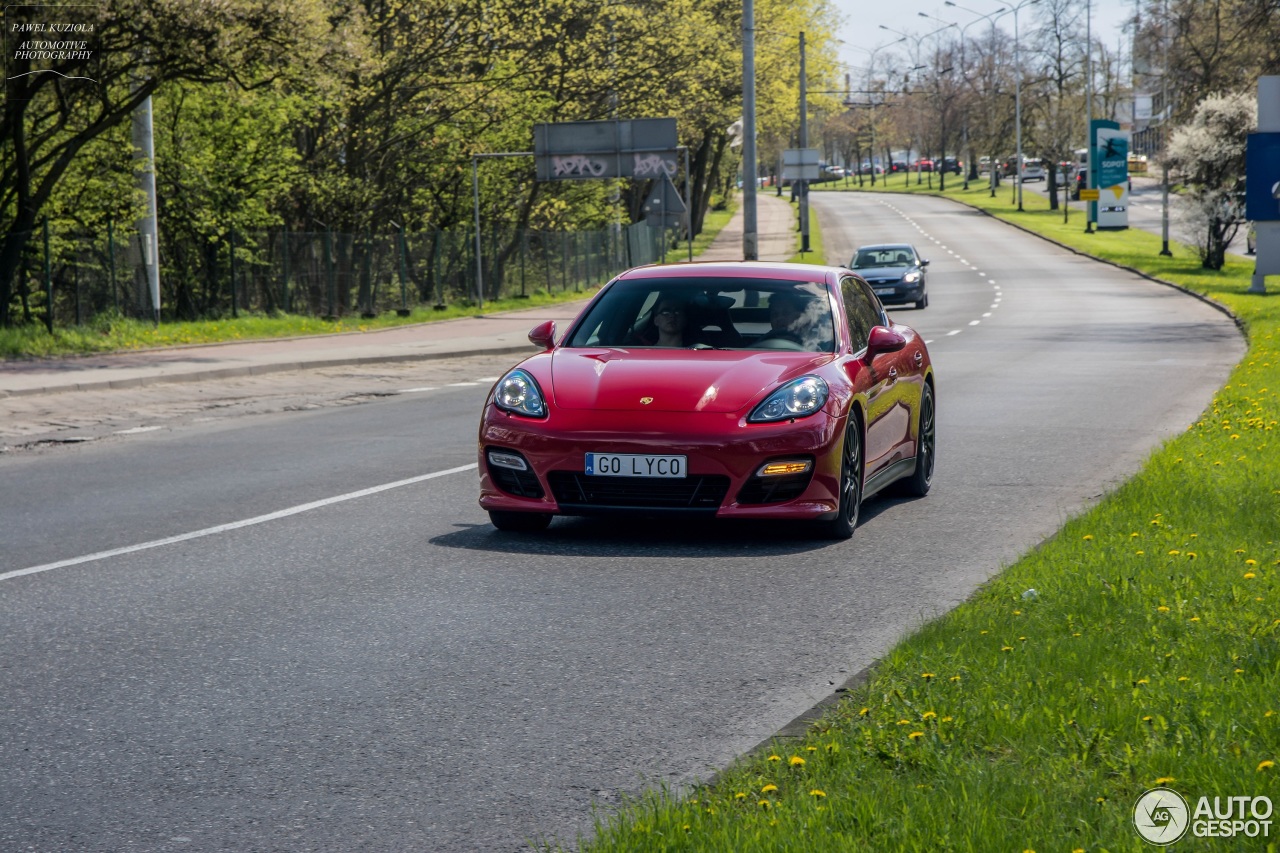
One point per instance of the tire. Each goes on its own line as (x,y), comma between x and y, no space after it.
(917,485)
(923,303)
(519,522)
(852,474)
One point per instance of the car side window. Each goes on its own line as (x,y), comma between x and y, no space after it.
(862,310)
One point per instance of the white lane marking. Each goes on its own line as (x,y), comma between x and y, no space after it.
(416,390)
(949,334)
(974,322)
(984,275)
(488,378)
(234,525)
(137,429)
(988,314)
(462,384)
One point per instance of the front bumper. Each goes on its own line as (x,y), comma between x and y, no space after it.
(724,454)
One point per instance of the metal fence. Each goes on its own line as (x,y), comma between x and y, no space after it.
(67,279)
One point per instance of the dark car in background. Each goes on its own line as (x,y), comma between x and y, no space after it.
(952,165)
(895,271)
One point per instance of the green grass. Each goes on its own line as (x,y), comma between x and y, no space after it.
(112,332)
(1148,654)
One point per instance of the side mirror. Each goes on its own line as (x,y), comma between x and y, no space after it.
(543,335)
(883,339)
(923,262)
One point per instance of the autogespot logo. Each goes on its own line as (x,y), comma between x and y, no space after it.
(1161,816)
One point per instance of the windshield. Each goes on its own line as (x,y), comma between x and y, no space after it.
(701,313)
(888,256)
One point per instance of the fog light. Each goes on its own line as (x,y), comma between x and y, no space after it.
(508,460)
(784,467)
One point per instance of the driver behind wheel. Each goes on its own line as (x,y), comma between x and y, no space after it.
(799,318)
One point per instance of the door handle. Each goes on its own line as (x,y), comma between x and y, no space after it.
(919,358)
(893,373)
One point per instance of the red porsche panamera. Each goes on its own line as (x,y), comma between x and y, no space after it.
(735,390)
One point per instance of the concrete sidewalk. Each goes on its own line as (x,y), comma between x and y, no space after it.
(487,334)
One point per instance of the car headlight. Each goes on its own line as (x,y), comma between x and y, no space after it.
(797,399)
(911,277)
(518,392)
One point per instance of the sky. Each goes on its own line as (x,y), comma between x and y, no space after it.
(863,18)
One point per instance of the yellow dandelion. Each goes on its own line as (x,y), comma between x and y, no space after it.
(916,735)
(1017,613)
(810,749)
(955,678)
(1076,634)
(1251,562)
(1006,648)
(1147,718)
(1134,535)
(1249,575)
(864,712)
(946,719)
(796,761)
(775,757)
(1195,619)
(817,793)
(904,722)
(1162,609)
(769,789)
(1165,780)
(1100,800)
(1269,714)
(926,675)
(1139,553)
(741,795)
(1088,537)
(1239,551)
(928,715)
(1191,555)
(984,632)
(1183,678)
(1265,765)
(1175,552)
(1239,670)
(764,804)
(1144,681)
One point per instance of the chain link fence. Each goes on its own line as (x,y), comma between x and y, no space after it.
(68,279)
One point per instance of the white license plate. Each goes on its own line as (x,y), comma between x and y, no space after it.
(635,465)
(883,291)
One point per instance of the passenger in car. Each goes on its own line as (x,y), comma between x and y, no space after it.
(668,324)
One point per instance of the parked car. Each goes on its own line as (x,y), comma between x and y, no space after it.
(924,164)
(1032,170)
(895,271)
(952,165)
(756,419)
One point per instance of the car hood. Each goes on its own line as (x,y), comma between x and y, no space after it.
(885,272)
(672,380)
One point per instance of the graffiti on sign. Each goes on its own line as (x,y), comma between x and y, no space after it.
(577,166)
(652,166)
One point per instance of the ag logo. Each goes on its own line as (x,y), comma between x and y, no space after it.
(1161,816)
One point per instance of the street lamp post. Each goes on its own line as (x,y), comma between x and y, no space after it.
(915,61)
(871,64)
(1017,96)
(990,16)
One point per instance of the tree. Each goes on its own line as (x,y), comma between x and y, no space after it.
(48,120)
(1209,154)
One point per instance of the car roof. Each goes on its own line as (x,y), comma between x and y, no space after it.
(873,247)
(736,269)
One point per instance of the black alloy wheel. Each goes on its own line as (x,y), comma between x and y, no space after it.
(917,485)
(852,474)
(519,522)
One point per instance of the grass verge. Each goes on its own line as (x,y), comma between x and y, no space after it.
(112,332)
(1138,647)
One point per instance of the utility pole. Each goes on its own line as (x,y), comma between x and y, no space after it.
(804,143)
(750,226)
(144,150)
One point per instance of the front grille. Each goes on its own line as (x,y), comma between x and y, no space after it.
(575,490)
(770,490)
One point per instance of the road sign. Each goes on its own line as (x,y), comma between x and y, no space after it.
(622,148)
(664,207)
(1089,195)
(800,164)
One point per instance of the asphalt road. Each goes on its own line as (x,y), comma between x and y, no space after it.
(382,670)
